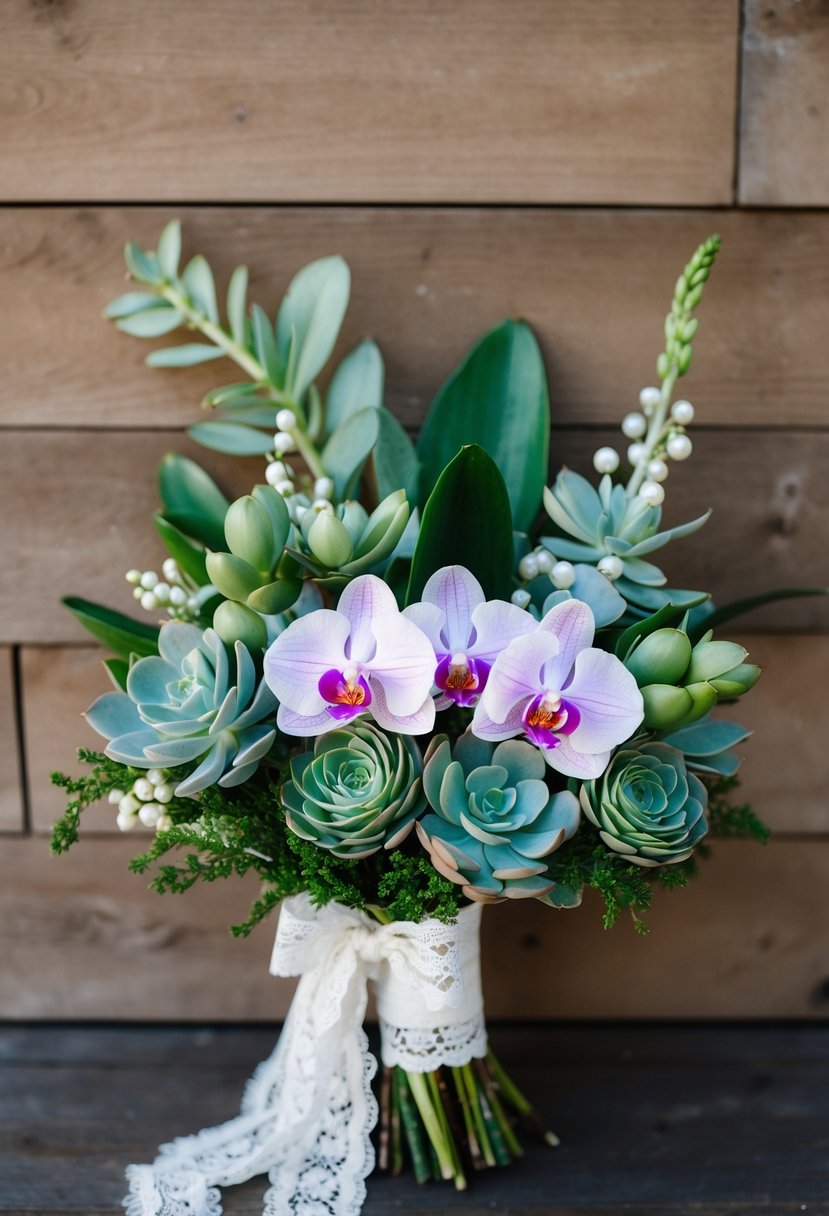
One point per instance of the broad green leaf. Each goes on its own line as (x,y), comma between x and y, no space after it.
(235,439)
(198,280)
(313,307)
(118,670)
(237,290)
(347,449)
(498,399)
(133,301)
(120,633)
(188,492)
(264,345)
(152,323)
(356,385)
(189,556)
(727,612)
(143,267)
(396,465)
(466,521)
(184,356)
(169,249)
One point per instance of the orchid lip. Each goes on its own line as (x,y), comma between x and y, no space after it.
(346,692)
(547,717)
(461,678)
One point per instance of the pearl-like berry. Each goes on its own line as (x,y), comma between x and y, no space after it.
(606,460)
(611,567)
(634,425)
(657,470)
(563,575)
(652,493)
(679,447)
(682,412)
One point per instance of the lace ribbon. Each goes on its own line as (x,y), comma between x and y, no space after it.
(308,1111)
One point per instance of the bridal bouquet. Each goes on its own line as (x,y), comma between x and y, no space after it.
(399,682)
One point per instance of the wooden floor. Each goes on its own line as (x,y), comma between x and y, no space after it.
(702,1120)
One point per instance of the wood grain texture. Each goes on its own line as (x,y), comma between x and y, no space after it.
(81,938)
(638,1110)
(96,496)
(784,138)
(11,793)
(387,100)
(594,284)
(787,786)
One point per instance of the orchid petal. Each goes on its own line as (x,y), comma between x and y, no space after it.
(497,623)
(572,623)
(485,728)
(304,725)
(300,656)
(565,759)
(403,662)
(608,699)
(457,593)
(429,620)
(418,723)
(516,673)
(364,599)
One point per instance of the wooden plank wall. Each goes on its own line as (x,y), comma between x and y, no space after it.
(471,161)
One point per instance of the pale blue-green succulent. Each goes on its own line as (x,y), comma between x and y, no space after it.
(359,790)
(647,805)
(495,820)
(190,702)
(607,524)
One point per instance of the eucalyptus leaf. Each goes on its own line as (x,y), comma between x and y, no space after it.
(131,302)
(169,249)
(233,438)
(396,465)
(190,556)
(237,290)
(184,356)
(264,345)
(497,398)
(151,323)
(243,390)
(347,449)
(120,633)
(311,315)
(466,521)
(186,490)
(198,280)
(143,267)
(357,384)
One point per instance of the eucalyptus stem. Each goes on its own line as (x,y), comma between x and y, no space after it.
(216,334)
(307,451)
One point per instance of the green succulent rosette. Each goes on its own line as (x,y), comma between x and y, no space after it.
(358,790)
(647,805)
(495,820)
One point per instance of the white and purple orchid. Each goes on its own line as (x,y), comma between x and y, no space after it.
(575,702)
(467,631)
(366,657)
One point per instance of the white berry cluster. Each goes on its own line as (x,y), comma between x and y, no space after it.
(145,802)
(562,575)
(174,591)
(670,443)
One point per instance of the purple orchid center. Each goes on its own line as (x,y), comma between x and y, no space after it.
(462,679)
(547,717)
(346,692)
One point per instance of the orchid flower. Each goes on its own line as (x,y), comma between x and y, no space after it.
(366,657)
(573,701)
(467,632)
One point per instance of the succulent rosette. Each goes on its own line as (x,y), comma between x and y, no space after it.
(357,791)
(574,701)
(187,703)
(648,806)
(495,820)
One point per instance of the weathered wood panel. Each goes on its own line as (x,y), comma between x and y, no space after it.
(11,793)
(96,495)
(637,1109)
(80,938)
(388,101)
(785,775)
(784,138)
(595,285)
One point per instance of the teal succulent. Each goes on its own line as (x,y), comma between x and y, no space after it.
(190,702)
(608,524)
(495,819)
(647,806)
(357,791)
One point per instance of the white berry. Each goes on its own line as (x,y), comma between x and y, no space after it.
(636,453)
(528,567)
(150,814)
(178,597)
(285,488)
(144,789)
(634,425)
(521,598)
(606,460)
(164,793)
(133,576)
(563,575)
(155,776)
(148,601)
(275,472)
(649,398)
(126,822)
(285,420)
(545,561)
(323,487)
(657,470)
(682,412)
(283,443)
(170,570)
(679,447)
(149,579)
(128,805)
(652,493)
(115,796)
(164,823)
(161,591)
(611,567)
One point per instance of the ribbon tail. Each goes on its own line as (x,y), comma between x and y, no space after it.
(306,1121)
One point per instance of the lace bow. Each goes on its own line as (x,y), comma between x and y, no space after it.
(308,1111)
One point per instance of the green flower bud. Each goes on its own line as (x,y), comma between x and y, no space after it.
(329,541)
(383,530)
(232,576)
(235,623)
(249,533)
(736,681)
(703,698)
(275,597)
(712,659)
(274,504)
(665,705)
(660,658)
(355,518)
